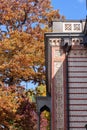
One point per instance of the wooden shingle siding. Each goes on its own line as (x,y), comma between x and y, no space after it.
(77,89)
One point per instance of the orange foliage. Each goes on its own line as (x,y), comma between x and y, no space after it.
(16,112)
(23,23)
(41,90)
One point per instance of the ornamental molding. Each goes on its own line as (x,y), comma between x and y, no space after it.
(77,41)
(61,41)
(72,27)
(59,95)
(55,41)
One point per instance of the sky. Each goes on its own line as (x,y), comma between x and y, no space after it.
(71,9)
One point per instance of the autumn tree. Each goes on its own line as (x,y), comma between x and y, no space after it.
(16,111)
(22,27)
(18,108)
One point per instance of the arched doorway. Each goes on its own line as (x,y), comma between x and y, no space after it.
(45,118)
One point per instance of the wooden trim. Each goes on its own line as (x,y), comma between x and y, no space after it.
(77,57)
(78,121)
(78,104)
(77,127)
(77,66)
(78,115)
(78,82)
(52,92)
(78,110)
(77,61)
(78,87)
(65,94)
(77,71)
(77,77)
(77,98)
(77,93)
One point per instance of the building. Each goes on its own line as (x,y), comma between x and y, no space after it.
(66,73)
